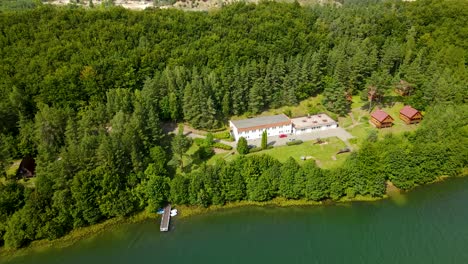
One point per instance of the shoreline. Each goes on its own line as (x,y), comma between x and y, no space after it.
(75,235)
(185,211)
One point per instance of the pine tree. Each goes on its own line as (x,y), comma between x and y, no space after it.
(264,139)
(288,91)
(173,106)
(226,107)
(242,146)
(334,97)
(255,98)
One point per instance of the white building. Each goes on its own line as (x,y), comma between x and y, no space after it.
(253,128)
(308,124)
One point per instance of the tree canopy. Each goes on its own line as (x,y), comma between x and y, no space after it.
(86,92)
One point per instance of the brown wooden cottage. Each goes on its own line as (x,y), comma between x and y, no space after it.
(403,88)
(410,115)
(27,168)
(380,119)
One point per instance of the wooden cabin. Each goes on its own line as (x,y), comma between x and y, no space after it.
(403,88)
(27,168)
(380,119)
(410,115)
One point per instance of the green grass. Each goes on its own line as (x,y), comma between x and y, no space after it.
(321,153)
(11,172)
(13,168)
(302,109)
(221,156)
(361,128)
(10,5)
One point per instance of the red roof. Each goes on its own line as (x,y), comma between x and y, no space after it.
(380,115)
(408,111)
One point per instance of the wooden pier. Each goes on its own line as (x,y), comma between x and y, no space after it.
(166,217)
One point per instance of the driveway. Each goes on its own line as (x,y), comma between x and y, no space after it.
(333,132)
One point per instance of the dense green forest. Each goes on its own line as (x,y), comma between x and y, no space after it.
(86,92)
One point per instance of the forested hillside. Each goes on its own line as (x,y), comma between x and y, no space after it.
(86,91)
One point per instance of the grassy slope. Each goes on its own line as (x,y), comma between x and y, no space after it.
(321,153)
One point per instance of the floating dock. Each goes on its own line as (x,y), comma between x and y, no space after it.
(166,217)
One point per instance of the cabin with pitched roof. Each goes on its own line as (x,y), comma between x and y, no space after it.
(27,168)
(381,119)
(403,88)
(410,115)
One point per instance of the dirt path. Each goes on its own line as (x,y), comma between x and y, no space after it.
(391,188)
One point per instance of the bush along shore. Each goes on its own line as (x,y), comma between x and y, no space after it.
(88,99)
(185,211)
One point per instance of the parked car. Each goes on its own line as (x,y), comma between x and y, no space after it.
(283,135)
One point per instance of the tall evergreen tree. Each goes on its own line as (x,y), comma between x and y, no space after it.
(264,139)
(334,97)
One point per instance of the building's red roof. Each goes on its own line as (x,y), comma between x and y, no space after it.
(408,111)
(380,115)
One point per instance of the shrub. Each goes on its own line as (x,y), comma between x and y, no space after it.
(221,146)
(204,152)
(294,142)
(222,135)
(242,146)
(199,141)
(255,149)
(264,140)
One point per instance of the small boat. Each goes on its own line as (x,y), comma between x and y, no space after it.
(173,212)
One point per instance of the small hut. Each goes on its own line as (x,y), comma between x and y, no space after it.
(403,88)
(410,115)
(27,168)
(380,119)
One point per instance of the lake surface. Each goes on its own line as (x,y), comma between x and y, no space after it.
(427,225)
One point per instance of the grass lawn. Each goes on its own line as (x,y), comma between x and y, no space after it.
(302,109)
(321,153)
(358,125)
(11,172)
(13,168)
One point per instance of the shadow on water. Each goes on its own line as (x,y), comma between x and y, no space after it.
(427,225)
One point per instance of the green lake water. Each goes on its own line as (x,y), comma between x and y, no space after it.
(427,225)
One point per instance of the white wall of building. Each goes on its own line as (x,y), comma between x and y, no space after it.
(257,133)
(276,131)
(300,131)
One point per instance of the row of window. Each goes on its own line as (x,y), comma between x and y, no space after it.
(261,130)
(250,132)
(314,128)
